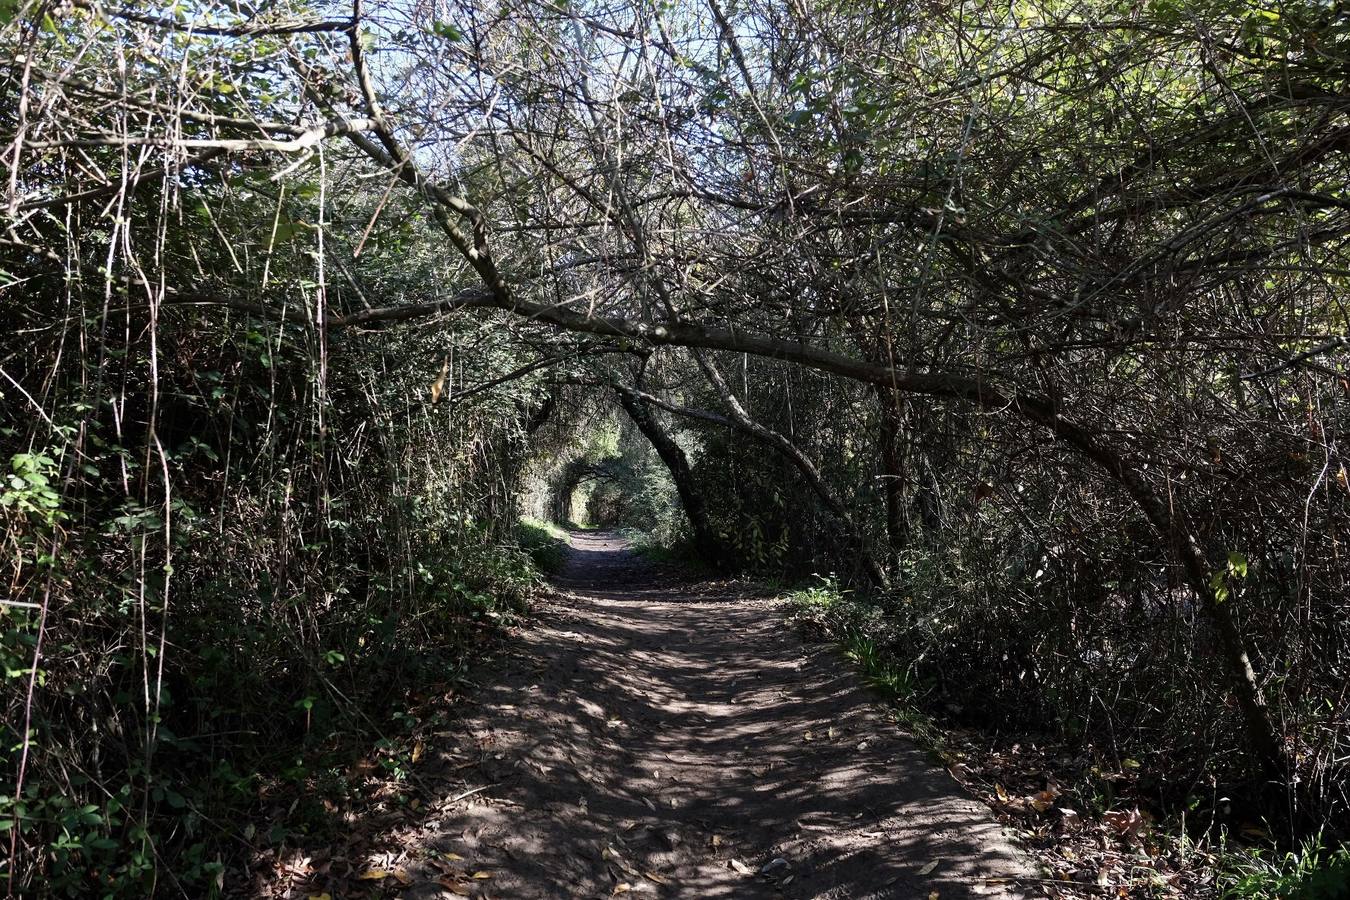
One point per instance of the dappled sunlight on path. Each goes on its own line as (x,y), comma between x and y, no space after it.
(675,739)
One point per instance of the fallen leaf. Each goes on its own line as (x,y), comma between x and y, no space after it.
(373,875)
(1128,823)
(481,876)
(622,887)
(928,869)
(622,864)
(1254,832)
(741,867)
(1044,800)
(659,879)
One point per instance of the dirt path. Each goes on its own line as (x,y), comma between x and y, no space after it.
(673,740)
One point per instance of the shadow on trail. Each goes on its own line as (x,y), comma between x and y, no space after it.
(673,739)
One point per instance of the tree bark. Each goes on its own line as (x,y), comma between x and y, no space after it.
(706,541)
(892,473)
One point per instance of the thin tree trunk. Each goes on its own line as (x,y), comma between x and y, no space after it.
(1172,524)
(706,542)
(540,416)
(783,446)
(892,473)
(874,572)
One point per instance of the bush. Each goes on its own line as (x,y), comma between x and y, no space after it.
(1309,873)
(858,627)
(545,543)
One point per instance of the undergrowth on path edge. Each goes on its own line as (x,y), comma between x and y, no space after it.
(823,611)
(545,542)
(212,815)
(1310,872)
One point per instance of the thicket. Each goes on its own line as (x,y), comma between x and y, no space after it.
(545,542)
(235,550)
(1024,320)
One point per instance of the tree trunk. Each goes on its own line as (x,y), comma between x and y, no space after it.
(706,542)
(892,474)
(874,572)
(540,416)
(1171,523)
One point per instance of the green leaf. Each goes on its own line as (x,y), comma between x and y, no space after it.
(289,231)
(447,31)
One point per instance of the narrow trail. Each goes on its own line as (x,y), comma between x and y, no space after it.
(669,739)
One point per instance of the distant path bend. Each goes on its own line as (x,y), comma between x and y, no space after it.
(670,739)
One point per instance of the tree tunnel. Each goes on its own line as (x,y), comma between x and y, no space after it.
(1015,343)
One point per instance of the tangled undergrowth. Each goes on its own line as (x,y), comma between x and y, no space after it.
(1093,819)
(237,730)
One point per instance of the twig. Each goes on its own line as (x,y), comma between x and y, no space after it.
(1324,347)
(478,790)
(304,141)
